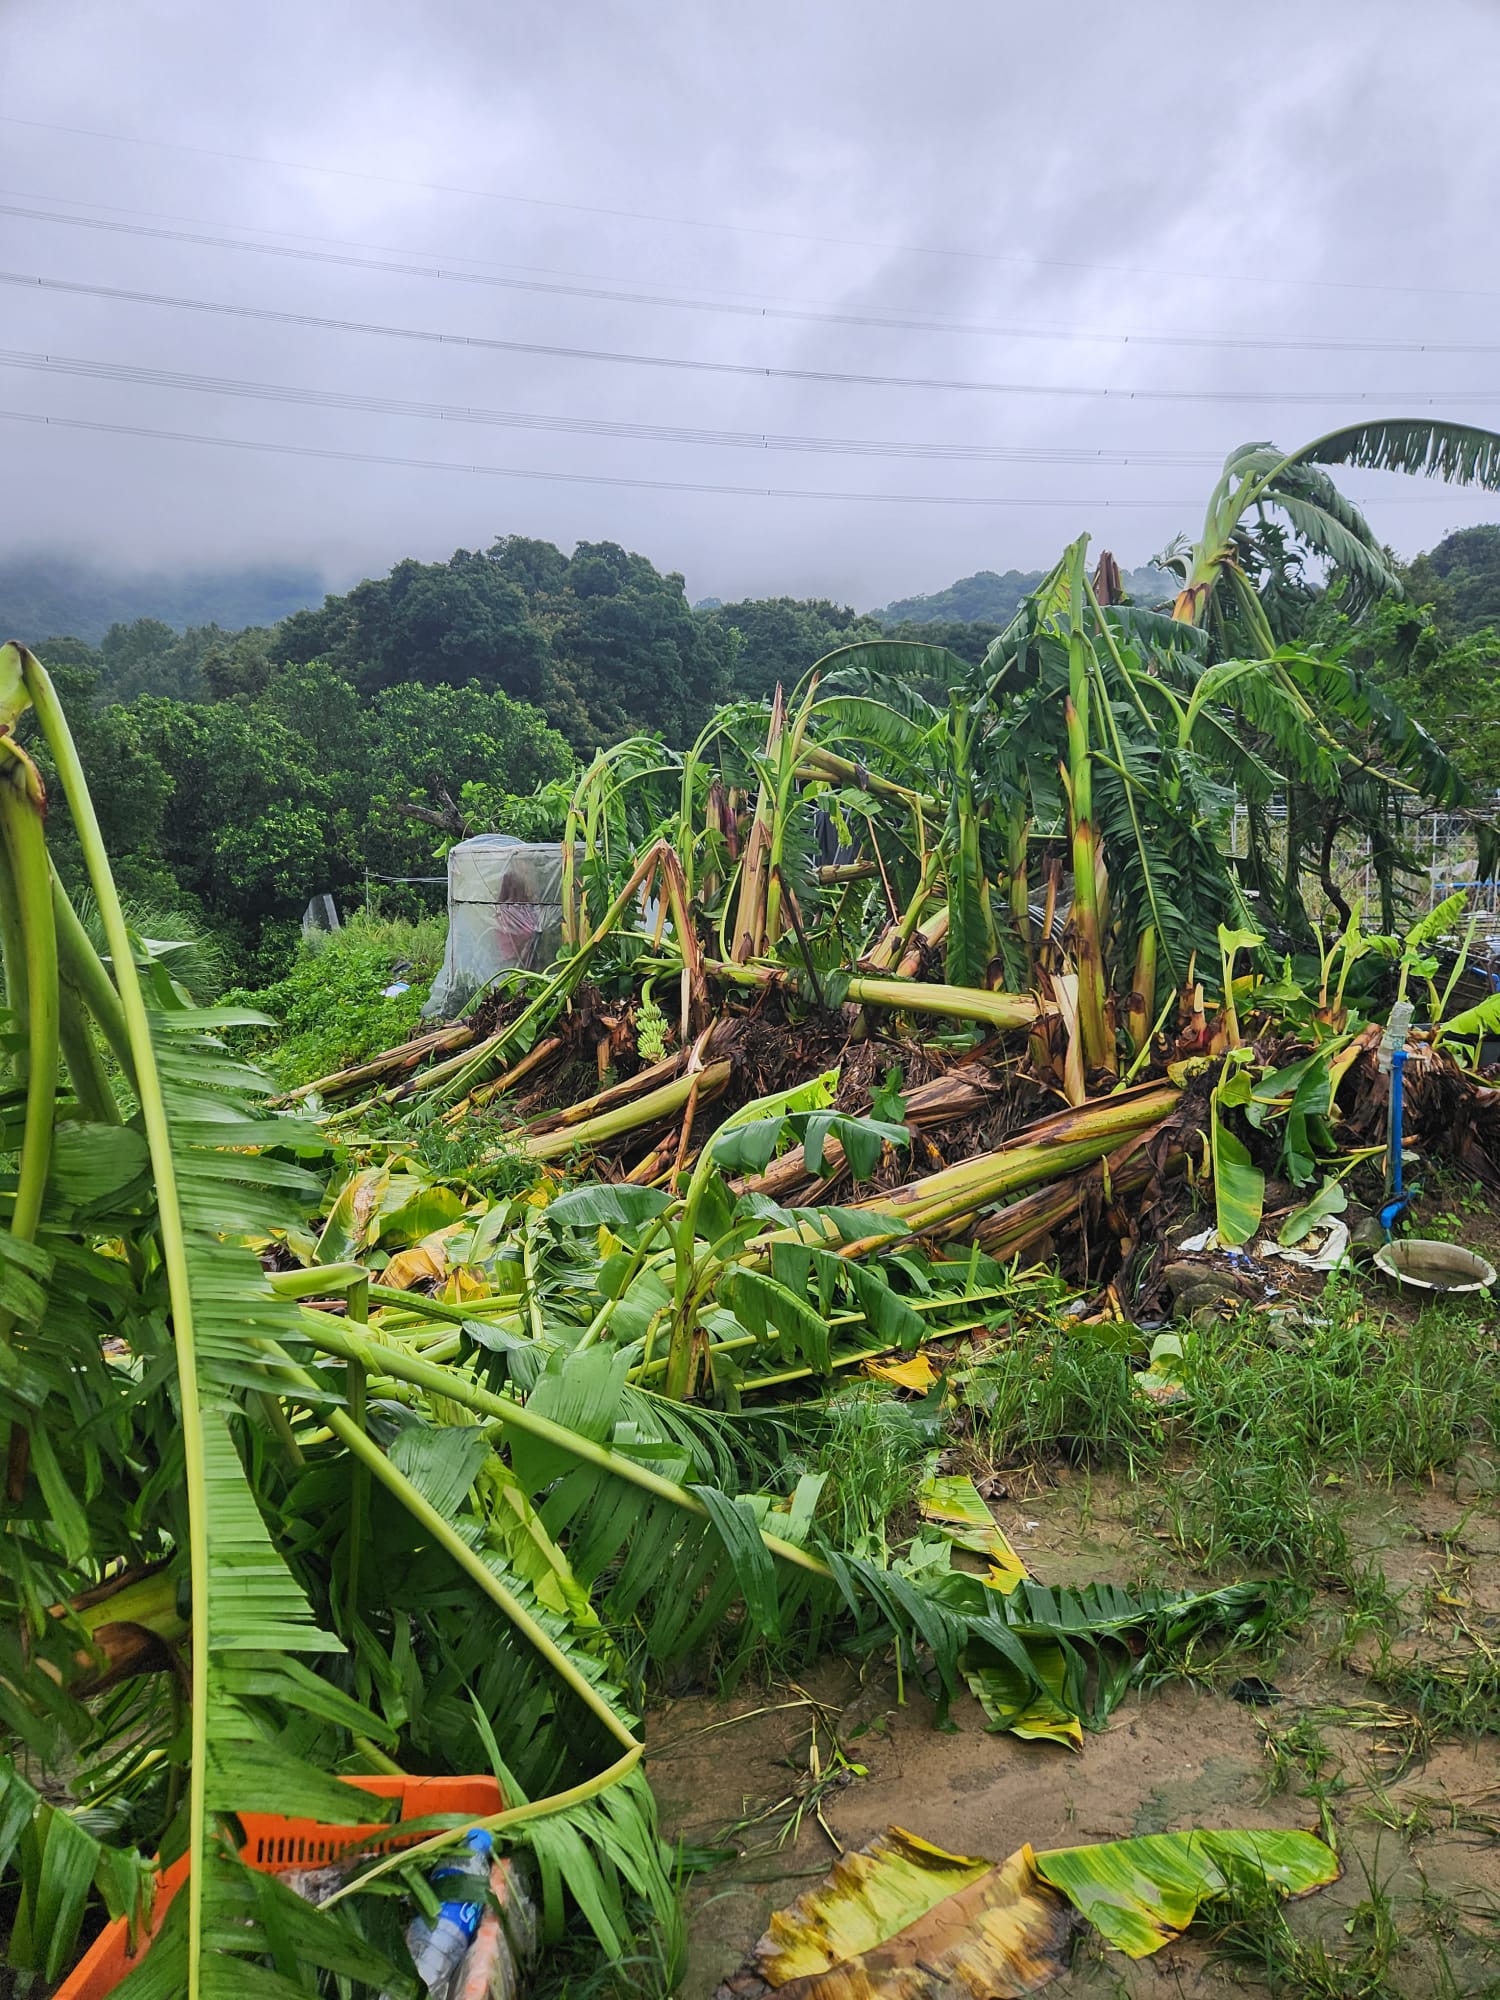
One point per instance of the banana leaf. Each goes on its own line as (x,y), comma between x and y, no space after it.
(902,1919)
(1140,1894)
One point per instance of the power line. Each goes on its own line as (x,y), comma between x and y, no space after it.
(334,399)
(697,365)
(798,314)
(612,479)
(1178,272)
(567,478)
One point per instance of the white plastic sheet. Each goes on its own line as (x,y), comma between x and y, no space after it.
(504,912)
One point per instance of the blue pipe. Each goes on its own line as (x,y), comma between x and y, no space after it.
(1398,1199)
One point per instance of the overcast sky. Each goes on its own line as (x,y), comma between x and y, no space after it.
(688,177)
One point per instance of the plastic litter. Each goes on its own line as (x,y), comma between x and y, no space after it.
(1328,1256)
(1194,1246)
(438,1949)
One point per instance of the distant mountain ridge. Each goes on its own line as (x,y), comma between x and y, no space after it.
(47,597)
(987,597)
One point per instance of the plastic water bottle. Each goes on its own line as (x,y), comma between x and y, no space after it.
(438,1949)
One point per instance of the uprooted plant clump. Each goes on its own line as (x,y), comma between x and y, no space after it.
(653,1320)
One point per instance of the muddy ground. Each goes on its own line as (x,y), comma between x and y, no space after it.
(1312,1741)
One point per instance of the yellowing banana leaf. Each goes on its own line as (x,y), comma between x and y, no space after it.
(901,1919)
(416,1266)
(464,1283)
(915,1373)
(954,1505)
(1141,1894)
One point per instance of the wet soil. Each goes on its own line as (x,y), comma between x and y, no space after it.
(1417,1820)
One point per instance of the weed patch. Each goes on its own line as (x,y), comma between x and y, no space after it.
(331,1007)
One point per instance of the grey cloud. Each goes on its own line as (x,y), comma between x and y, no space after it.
(1319,173)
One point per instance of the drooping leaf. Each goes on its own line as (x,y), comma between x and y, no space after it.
(608,1207)
(423,1211)
(1330,1200)
(1011,1701)
(758,1301)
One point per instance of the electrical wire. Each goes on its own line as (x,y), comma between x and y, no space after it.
(1274,398)
(615,479)
(566,478)
(1178,272)
(387,266)
(163,378)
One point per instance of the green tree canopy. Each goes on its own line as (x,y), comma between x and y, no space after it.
(1460,580)
(239,810)
(438,623)
(776,639)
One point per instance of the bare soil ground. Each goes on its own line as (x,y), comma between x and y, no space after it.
(1314,1741)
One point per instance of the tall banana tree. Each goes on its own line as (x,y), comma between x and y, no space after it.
(1260,476)
(1235,578)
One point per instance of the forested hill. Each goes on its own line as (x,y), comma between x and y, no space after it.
(47,596)
(987,597)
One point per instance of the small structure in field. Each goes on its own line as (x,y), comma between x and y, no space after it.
(504,913)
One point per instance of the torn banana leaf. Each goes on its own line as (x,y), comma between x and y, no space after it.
(904,1920)
(901,1920)
(1011,1700)
(954,1505)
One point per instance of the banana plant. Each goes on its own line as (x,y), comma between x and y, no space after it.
(1259,476)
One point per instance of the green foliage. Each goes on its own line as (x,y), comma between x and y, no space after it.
(539,815)
(1438,666)
(328,1008)
(601,642)
(1459,579)
(238,811)
(775,640)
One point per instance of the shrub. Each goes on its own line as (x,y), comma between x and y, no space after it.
(330,1006)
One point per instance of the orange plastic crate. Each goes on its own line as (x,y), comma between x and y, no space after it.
(276,1846)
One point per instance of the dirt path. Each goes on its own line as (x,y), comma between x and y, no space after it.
(1313,1740)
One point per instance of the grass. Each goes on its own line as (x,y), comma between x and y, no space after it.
(872,1452)
(1253,1468)
(1455,1695)
(1057,1388)
(1391,1948)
